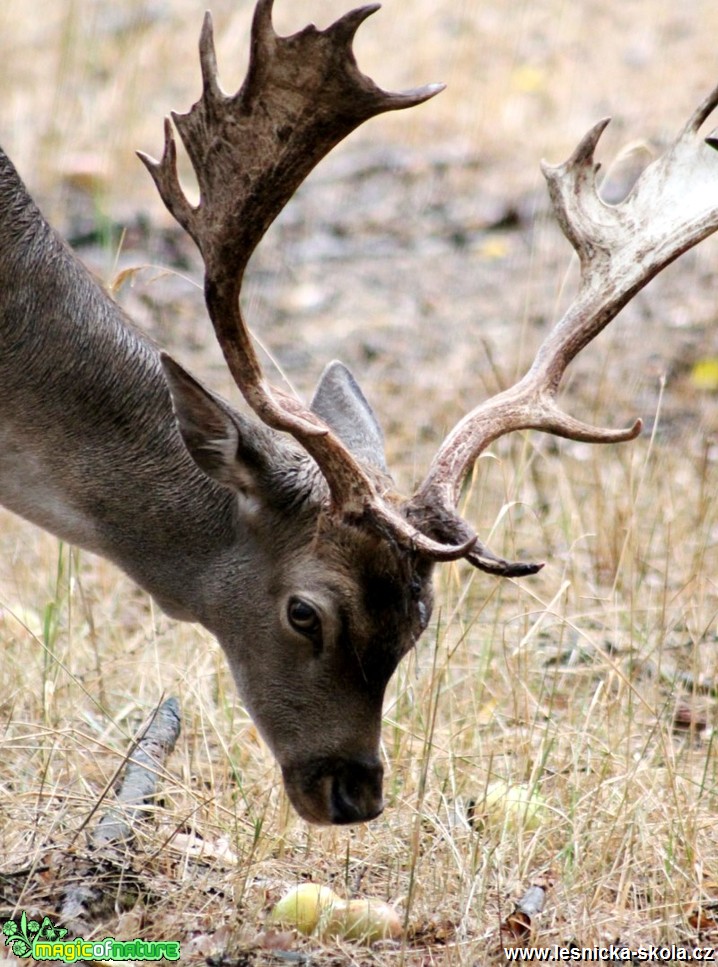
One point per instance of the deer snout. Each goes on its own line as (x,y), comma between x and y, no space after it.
(336,791)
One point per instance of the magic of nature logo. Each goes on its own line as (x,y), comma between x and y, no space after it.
(45,940)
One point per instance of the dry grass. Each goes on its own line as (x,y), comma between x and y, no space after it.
(570,682)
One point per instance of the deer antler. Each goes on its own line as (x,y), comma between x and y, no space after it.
(673,206)
(250,151)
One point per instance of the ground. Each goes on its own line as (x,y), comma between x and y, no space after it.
(424,254)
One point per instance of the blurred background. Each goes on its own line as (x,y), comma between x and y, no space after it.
(89,77)
(423,253)
(424,237)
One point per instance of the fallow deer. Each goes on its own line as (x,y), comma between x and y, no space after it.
(284,535)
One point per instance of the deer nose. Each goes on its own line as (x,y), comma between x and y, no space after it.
(356,792)
(335,790)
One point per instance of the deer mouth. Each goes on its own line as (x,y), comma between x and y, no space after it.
(336,792)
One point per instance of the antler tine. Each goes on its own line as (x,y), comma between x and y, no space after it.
(576,178)
(345,28)
(673,206)
(485,560)
(702,113)
(208,60)
(250,151)
(164,175)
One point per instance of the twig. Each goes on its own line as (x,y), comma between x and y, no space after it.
(103,880)
(520,922)
(139,786)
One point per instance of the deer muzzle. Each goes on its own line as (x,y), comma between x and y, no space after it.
(336,791)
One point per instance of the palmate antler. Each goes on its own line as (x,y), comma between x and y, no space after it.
(251,150)
(672,207)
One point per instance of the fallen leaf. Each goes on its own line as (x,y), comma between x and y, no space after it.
(432,933)
(203,849)
(276,939)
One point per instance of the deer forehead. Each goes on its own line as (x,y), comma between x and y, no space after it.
(381,595)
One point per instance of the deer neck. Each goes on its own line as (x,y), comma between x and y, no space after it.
(89,447)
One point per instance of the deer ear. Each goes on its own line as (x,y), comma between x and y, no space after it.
(339,401)
(231,449)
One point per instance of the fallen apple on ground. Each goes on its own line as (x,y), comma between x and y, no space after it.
(314,909)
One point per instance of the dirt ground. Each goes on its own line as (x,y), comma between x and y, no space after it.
(423,253)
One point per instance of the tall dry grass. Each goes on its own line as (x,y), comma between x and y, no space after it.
(593,683)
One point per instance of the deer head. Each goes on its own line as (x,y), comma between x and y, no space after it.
(345,559)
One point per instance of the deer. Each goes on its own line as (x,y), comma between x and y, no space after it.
(278,527)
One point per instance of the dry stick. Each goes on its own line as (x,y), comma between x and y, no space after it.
(87,896)
(140,783)
(519,922)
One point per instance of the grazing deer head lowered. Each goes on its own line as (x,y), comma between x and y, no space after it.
(284,535)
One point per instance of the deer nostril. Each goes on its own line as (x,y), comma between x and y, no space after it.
(336,790)
(356,792)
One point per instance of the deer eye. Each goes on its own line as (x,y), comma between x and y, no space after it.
(304,618)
